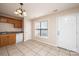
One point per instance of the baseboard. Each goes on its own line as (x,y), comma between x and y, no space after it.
(27,40)
(46,43)
(57,46)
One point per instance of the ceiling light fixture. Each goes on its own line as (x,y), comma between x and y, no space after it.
(20,11)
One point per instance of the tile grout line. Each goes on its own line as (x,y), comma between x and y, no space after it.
(39,47)
(59,49)
(7,51)
(31,49)
(20,51)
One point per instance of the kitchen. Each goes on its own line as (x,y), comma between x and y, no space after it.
(11,31)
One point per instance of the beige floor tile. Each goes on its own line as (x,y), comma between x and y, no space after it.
(11,47)
(14,52)
(74,54)
(3,51)
(34,48)
(24,51)
(63,52)
(30,53)
(20,46)
(52,54)
(43,52)
(53,51)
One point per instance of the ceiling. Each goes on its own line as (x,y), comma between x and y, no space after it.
(34,10)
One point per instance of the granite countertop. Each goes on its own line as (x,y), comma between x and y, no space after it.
(11,32)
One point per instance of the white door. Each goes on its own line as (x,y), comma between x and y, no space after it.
(78,32)
(67,32)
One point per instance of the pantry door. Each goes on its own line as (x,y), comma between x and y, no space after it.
(66,32)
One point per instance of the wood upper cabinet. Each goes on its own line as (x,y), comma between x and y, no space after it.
(7,39)
(11,21)
(17,23)
(3,19)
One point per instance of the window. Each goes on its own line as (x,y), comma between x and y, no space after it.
(41,28)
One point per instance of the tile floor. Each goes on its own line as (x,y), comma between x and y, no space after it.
(34,48)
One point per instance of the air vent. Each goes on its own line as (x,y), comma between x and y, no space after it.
(55,10)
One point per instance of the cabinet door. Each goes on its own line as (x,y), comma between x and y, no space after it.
(12,21)
(12,39)
(18,24)
(4,40)
(3,20)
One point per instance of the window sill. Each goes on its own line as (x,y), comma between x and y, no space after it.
(43,37)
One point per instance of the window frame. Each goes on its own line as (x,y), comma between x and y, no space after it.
(40,29)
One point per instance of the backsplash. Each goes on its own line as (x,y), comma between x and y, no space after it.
(6,27)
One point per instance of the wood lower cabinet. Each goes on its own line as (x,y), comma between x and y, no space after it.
(0,40)
(7,39)
(4,41)
(12,39)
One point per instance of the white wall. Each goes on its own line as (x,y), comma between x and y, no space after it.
(27,29)
(6,27)
(52,29)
